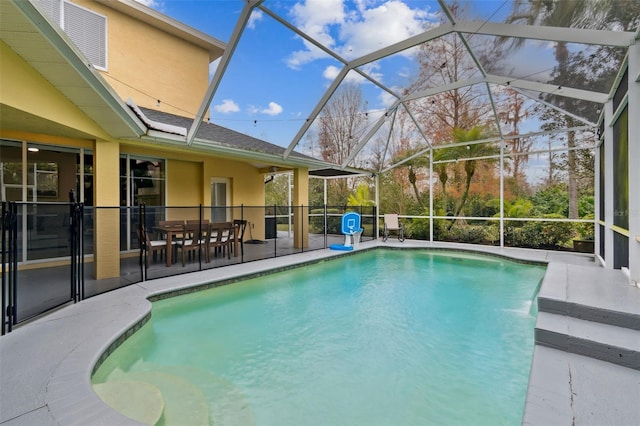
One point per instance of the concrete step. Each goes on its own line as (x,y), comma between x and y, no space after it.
(589,313)
(611,343)
(592,294)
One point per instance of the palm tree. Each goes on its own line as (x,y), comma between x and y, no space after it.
(361,197)
(473,151)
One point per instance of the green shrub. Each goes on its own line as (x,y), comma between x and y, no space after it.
(416,229)
(586,231)
(536,234)
(316,223)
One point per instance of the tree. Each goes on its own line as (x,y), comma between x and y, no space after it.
(511,112)
(472,152)
(361,197)
(441,61)
(276,191)
(341,124)
(598,14)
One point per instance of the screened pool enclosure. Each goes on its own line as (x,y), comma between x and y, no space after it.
(506,123)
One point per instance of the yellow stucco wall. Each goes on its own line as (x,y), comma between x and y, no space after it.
(147,64)
(247,190)
(188,180)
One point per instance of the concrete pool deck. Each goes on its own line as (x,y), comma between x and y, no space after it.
(585,369)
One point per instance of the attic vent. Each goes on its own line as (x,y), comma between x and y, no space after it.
(52,9)
(87,29)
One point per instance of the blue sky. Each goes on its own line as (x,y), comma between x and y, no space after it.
(275,78)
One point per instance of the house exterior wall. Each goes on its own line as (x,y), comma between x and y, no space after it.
(143,57)
(184,183)
(147,64)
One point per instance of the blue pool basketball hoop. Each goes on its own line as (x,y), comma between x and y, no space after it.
(351,229)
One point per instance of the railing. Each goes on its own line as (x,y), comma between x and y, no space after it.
(48,249)
(28,291)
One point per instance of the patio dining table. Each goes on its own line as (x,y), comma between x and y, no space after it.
(172,231)
(169,232)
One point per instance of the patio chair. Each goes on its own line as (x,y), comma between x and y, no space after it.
(195,238)
(241,225)
(152,246)
(221,238)
(392,224)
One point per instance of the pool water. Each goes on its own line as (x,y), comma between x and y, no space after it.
(385,337)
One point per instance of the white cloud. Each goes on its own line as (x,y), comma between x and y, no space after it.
(353,33)
(387,99)
(316,18)
(227,106)
(301,57)
(274,109)
(331,72)
(256,16)
(379,27)
(154,4)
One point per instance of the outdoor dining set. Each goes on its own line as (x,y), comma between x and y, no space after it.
(184,237)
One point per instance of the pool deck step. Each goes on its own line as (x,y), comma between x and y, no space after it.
(594,294)
(618,345)
(595,312)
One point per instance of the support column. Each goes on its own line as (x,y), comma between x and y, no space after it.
(608,186)
(106,239)
(376,220)
(301,198)
(634,162)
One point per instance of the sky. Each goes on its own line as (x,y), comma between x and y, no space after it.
(276,79)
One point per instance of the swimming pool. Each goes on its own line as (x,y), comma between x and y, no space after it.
(381,337)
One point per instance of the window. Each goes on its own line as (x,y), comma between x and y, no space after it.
(87,29)
(142,181)
(220,200)
(41,178)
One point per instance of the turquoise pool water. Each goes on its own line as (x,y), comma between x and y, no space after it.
(385,337)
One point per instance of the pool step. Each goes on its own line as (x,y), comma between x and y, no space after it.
(590,311)
(590,293)
(618,345)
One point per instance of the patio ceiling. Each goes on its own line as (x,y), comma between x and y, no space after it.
(504,49)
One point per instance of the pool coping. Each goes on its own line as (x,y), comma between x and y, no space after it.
(63,349)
